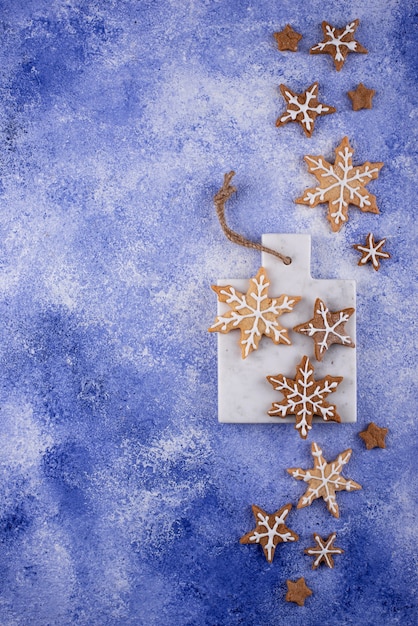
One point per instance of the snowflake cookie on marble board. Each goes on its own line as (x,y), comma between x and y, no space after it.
(270,530)
(324,479)
(244,396)
(338,42)
(326,328)
(303,108)
(305,397)
(341,184)
(253,313)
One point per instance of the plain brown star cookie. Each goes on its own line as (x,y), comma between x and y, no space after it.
(374,436)
(287,39)
(297,591)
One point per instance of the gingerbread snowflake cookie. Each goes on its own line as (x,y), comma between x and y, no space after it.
(253,313)
(270,530)
(303,108)
(338,42)
(324,479)
(371,251)
(326,328)
(341,184)
(324,550)
(305,397)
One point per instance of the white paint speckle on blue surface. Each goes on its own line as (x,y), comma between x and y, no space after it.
(122,497)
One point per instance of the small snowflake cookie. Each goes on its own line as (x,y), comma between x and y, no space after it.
(270,530)
(324,479)
(305,397)
(324,550)
(341,184)
(371,251)
(326,328)
(303,108)
(253,313)
(338,42)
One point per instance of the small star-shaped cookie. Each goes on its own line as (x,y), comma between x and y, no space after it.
(374,436)
(361,97)
(324,550)
(324,479)
(372,251)
(287,39)
(297,591)
(270,530)
(338,42)
(253,313)
(326,327)
(303,108)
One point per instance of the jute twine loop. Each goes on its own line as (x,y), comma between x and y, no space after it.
(220,199)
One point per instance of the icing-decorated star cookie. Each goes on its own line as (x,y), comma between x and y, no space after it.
(341,184)
(374,436)
(324,550)
(371,251)
(270,530)
(324,479)
(361,97)
(303,108)
(338,42)
(287,39)
(305,397)
(253,313)
(326,328)
(297,591)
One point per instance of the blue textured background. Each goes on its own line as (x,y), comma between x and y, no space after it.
(122,498)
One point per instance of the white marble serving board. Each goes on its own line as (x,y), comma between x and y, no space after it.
(244,394)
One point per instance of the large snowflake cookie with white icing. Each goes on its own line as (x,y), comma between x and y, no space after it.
(305,397)
(253,313)
(303,108)
(338,42)
(270,530)
(340,184)
(324,479)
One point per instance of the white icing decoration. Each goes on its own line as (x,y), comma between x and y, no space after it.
(337,41)
(373,252)
(271,531)
(311,330)
(347,191)
(325,550)
(305,402)
(331,483)
(278,306)
(305,108)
